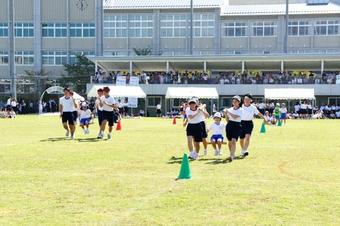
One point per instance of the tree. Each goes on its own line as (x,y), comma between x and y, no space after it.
(79,74)
(39,78)
(142,51)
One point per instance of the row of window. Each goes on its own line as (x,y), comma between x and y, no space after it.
(171,25)
(48,57)
(22,30)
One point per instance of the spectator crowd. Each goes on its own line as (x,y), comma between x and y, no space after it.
(219,78)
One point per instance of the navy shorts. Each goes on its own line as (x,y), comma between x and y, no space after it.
(108,116)
(100,117)
(233,130)
(217,138)
(246,128)
(195,131)
(75,115)
(68,117)
(204,130)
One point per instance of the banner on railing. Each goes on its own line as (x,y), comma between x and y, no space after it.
(134,81)
(121,81)
(338,79)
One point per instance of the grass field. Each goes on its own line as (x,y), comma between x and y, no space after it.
(292,177)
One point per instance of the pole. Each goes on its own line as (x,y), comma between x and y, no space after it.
(285,44)
(12,69)
(191,27)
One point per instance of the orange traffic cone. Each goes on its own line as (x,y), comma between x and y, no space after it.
(119,126)
(174,121)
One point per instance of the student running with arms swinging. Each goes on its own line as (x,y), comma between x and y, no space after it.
(233,129)
(66,108)
(108,104)
(247,125)
(196,130)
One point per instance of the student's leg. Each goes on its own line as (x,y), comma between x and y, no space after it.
(197,147)
(110,129)
(190,145)
(65,126)
(232,148)
(103,125)
(213,143)
(246,142)
(219,145)
(242,143)
(72,129)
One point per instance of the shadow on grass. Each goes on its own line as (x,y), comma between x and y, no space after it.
(54,139)
(93,139)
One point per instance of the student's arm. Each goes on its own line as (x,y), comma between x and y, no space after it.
(233,115)
(193,115)
(61,109)
(206,114)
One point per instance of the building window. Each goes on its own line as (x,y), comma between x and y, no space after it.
(204,25)
(54,30)
(23,30)
(3,29)
(5,86)
(235,29)
(264,29)
(298,28)
(327,27)
(24,57)
(73,55)
(82,30)
(173,25)
(54,57)
(141,25)
(115,25)
(317,2)
(3,57)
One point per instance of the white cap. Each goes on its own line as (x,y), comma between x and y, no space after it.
(83,104)
(217,115)
(237,98)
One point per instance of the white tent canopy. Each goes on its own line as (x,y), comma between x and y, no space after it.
(189,92)
(289,94)
(119,91)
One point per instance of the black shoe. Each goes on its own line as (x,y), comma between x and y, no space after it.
(245,154)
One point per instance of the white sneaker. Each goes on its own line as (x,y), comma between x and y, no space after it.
(73,137)
(85,131)
(216,152)
(196,156)
(67,134)
(192,154)
(109,136)
(205,152)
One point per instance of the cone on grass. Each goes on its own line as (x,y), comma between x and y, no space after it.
(184,172)
(263,128)
(279,123)
(119,126)
(174,121)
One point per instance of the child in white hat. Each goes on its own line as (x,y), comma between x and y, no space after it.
(217,129)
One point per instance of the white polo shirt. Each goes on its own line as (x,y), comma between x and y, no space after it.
(198,118)
(217,129)
(67,103)
(85,114)
(238,112)
(107,101)
(249,112)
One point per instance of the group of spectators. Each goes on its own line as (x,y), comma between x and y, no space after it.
(220,78)
(12,107)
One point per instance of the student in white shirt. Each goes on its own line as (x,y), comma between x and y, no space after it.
(66,107)
(217,129)
(247,125)
(233,129)
(108,104)
(85,117)
(268,120)
(195,130)
(159,110)
(283,112)
(99,109)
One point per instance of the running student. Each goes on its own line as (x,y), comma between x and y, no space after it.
(99,108)
(195,130)
(217,129)
(283,112)
(233,129)
(108,104)
(85,117)
(247,125)
(66,107)
(277,112)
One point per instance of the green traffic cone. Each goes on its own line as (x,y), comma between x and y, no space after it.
(263,128)
(279,123)
(184,173)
